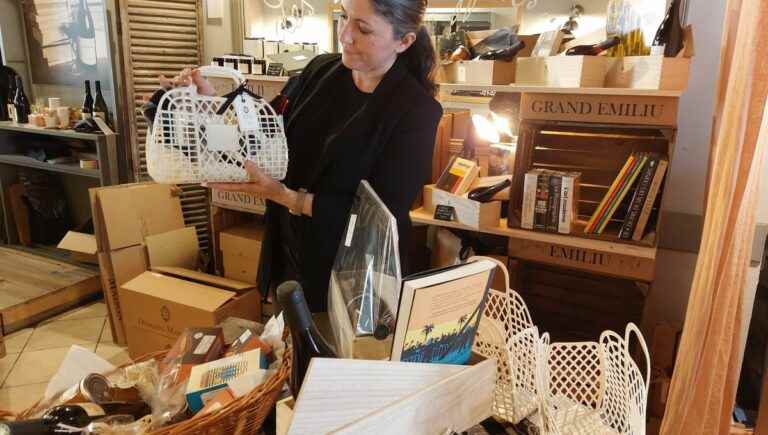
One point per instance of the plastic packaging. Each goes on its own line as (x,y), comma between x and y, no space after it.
(365,279)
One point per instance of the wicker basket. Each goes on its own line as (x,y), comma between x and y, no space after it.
(244,415)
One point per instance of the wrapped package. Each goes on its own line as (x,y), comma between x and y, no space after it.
(365,280)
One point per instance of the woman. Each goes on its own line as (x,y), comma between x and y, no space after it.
(368,113)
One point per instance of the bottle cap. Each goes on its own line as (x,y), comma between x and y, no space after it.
(381,332)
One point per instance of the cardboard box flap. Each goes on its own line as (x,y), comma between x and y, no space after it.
(79,242)
(243,240)
(204,278)
(131,212)
(181,291)
(177,248)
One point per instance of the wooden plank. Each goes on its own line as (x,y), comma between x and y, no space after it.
(164,51)
(609,109)
(163,36)
(162,29)
(162,5)
(152,12)
(447,87)
(140,19)
(580,258)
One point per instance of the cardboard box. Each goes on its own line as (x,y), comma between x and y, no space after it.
(562,71)
(82,247)
(205,278)
(241,251)
(124,215)
(240,201)
(178,248)
(117,268)
(157,307)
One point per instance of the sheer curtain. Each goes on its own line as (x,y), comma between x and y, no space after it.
(706,373)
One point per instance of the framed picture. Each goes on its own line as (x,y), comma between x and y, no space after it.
(68,42)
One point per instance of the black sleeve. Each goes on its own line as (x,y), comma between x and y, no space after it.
(405,162)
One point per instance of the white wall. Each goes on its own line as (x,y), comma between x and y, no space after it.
(217,32)
(11,39)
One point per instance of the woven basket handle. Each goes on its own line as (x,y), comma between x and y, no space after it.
(632,328)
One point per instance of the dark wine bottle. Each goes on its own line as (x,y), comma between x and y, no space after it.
(485,194)
(307,341)
(669,37)
(593,50)
(21,103)
(100,108)
(79,416)
(504,54)
(7,92)
(88,101)
(85,36)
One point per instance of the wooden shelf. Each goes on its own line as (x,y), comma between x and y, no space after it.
(69,134)
(552,90)
(265,78)
(424,217)
(64,168)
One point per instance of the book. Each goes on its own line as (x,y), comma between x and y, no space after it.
(208,378)
(650,200)
(622,192)
(458,177)
(638,199)
(609,196)
(553,206)
(541,206)
(529,198)
(439,313)
(569,198)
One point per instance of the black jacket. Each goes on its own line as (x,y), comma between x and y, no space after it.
(389,142)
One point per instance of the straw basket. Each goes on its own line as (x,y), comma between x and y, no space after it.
(244,415)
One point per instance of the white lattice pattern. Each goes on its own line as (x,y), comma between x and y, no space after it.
(178,145)
(594,387)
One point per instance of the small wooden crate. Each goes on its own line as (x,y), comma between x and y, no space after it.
(562,71)
(480,72)
(468,212)
(649,72)
(598,152)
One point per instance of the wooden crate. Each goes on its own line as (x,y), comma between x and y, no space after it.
(576,306)
(468,212)
(598,152)
(480,72)
(562,71)
(649,72)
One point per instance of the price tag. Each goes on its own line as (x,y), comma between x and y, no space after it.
(444,212)
(275,69)
(247,116)
(461,72)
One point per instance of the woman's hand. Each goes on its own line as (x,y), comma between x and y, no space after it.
(187,77)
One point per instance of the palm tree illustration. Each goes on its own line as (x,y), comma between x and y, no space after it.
(428,330)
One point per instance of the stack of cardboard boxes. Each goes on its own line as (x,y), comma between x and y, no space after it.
(149,261)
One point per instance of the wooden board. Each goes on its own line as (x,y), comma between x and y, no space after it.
(604,263)
(605,109)
(32,285)
(357,396)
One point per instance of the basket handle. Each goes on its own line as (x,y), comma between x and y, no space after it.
(499,265)
(632,328)
(223,72)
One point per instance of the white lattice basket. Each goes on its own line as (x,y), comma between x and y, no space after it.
(507,333)
(594,387)
(178,146)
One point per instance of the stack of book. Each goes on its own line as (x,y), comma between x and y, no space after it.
(549,200)
(644,172)
(459,176)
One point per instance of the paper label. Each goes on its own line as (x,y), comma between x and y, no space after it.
(222,137)
(205,345)
(244,336)
(657,50)
(461,73)
(350,230)
(300,57)
(247,115)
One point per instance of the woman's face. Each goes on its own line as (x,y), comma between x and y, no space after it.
(367,39)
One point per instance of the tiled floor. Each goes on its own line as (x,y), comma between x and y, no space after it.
(34,354)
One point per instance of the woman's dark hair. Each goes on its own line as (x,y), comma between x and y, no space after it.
(406,16)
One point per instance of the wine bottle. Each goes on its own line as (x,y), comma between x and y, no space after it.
(504,54)
(593,50)
(307,341)
(669,37)
(7,99)
(21,103)
(57,419)
(485,194)
(87,102)
(100,108)
(85,36)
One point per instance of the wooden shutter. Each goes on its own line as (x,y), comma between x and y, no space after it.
(161,37)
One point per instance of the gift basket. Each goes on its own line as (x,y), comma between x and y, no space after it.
(158,384)
(198,138)
(365,278)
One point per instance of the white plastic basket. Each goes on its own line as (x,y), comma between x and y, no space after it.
(594,387)
(178,147)
(507,333)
